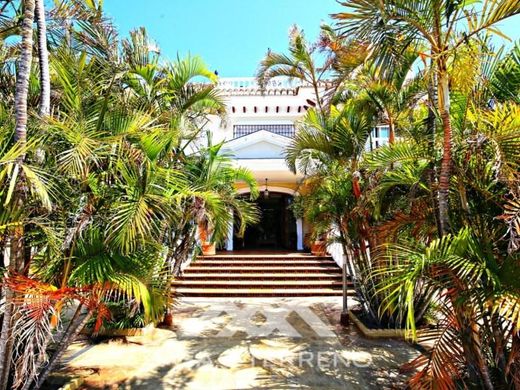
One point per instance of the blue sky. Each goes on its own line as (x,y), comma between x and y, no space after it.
(230,35)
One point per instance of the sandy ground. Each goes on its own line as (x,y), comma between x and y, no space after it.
(255,343)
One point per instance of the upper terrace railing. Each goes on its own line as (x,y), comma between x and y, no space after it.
(286,130)
(250,83)
(249,86)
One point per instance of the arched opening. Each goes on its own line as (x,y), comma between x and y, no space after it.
(277,228)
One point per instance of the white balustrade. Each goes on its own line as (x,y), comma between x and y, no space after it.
(251,83)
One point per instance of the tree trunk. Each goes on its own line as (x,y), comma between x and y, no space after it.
(3,246)
(476,365)
(5,336)
(24,71)
(183,249)
(346,265)
(499,344)
(21,93)
(391,126)
(432,179)
(77,324)
(10,316)
(346,249)
(445,172)
(43,56)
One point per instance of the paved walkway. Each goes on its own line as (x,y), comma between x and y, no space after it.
(255,343)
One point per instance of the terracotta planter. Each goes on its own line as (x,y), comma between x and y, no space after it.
(319,248)
(203,232)
(208,249)
(168,320)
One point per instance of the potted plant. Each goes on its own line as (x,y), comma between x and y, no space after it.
(208,247)
(319,245)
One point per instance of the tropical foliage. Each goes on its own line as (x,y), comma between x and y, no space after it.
(428,222)
(104,173)
(107,174)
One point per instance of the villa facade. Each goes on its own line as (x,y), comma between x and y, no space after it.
(256,129)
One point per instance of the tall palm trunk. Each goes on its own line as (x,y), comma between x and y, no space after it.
(445,172)
(17,250)
(432,179)
(391,126)
(24,71)
(43,57)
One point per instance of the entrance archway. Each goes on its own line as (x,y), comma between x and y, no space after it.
(277,228)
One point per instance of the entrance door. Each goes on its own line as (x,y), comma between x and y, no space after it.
(276,229)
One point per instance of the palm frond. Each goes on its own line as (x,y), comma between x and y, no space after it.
(400,152)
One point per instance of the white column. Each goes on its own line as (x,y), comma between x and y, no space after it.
(229,240)
(299,234)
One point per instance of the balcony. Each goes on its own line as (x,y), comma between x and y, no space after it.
(251,83)
(285,130)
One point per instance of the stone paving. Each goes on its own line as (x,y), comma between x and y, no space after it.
(246,343)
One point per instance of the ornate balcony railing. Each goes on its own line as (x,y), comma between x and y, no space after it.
(248,86)
(251,83)
(285,130)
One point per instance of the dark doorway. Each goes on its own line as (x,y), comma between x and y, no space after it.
(276,228)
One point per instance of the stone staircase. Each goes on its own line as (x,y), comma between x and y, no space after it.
(261,275)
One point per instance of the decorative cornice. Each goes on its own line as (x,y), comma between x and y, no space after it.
(248,86)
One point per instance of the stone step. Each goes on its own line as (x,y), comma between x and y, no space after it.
(264,263)
(257,292)
(257,283)
(265,257)
(269,269)
(262,275)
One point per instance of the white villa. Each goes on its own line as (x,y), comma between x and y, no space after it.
(257,128)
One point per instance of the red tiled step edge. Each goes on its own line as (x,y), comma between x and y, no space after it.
(255,292)
(261,275)
(258,283)
(280,269)
(264,263)
(281,259)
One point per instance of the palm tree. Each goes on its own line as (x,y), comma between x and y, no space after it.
(300,64)
(341,59)
(115,163)
(213,172)
(16,239)
(465,270)
(24,71)
(504,81)
(484,170)
(43,57)
(391,26)
(465,273)
(326,149)
(393,94)
(322,138)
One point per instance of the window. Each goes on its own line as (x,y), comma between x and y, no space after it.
(384,132)
(285,130)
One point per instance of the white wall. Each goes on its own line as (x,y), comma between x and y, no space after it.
(240,93)
(260,150)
